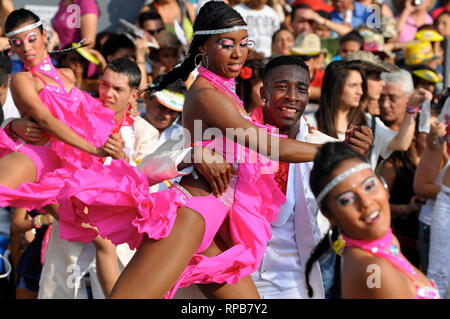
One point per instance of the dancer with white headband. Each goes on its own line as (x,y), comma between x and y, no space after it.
(73,125)
(186,235)
(356,202)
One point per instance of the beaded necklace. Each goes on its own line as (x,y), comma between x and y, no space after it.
(383,247)
(46,68)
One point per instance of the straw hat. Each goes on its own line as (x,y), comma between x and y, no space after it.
(307,44)
(370,61)
(374,42)
(167,39)
(389,27)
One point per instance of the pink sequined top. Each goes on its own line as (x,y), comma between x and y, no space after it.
(384,247)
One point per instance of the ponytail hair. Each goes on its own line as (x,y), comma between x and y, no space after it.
(322,247)
(213,15)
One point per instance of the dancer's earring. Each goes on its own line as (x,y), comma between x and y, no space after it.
(197,64)
(337,245)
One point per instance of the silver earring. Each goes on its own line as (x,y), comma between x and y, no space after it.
(201,60)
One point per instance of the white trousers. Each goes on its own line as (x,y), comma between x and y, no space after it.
(439,256)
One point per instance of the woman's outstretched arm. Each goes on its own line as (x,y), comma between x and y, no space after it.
(219,112)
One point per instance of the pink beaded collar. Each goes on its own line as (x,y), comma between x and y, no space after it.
(221,83)
(383,247)
(46,68)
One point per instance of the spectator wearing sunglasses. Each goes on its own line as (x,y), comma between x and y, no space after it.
(151,22)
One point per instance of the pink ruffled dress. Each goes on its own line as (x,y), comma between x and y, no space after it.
(122,210)
(81,112)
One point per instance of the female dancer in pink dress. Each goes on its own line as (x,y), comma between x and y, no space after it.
(356,203)
(75,125)
(185,235)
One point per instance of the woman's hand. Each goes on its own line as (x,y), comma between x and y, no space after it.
(408,6)
(141,49)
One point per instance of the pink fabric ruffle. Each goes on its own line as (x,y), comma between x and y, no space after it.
(257,202)
(88,118)
(83,114)
(121,208)
(7,145)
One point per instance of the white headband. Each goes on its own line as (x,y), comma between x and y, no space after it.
(339,179)
(220,31)
(25,28)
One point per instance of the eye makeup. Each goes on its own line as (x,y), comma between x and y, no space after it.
(368,185)
(346,198)
(30,38)
(228,44)
(244,43)
(225,43)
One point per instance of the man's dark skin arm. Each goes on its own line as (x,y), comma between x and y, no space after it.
(360,138)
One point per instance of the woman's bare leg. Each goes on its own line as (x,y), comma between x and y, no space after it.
(15,169)
(107,264)
(158,264)
(244,289)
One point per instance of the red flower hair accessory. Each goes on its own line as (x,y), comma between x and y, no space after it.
(246,73)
